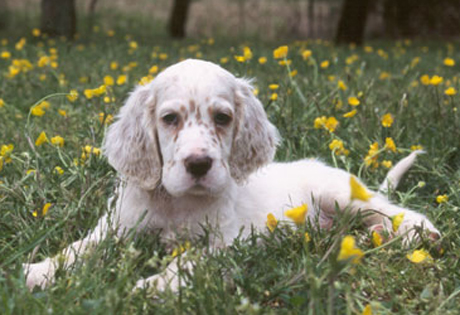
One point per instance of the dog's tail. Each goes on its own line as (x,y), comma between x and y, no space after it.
(394,175)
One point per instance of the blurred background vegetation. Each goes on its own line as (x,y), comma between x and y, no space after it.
(344,21)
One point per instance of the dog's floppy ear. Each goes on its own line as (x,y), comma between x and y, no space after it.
(132,149)
(255,138)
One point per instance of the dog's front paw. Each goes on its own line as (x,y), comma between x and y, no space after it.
(40,274)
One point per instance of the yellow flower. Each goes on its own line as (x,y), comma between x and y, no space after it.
(271,222)
(387,120)
(62,112)
(58,141)
(384,75)
(350,113)
(5,152)
(320,122)
(338,148)
(450,91)
(372,156)
(425,79)
(342,85)
(367,310)
(2,103)
(46,207)
(163,56)
(419,256)
(442,198)
(349,250)
(181,249)
(90,149)
(121,79)
(247,53)
(358,191)
(43,61)
(293,73)
(262,60)
(153,69)
(37,111)
(42,138)
(223,60)
(449,62)
(114,65)
(307,237)
(331,124)
(273,86)
(58,170)
(387,164)
(133,45)
(274,97)
(108,80)
(397,220)
(72,96)
(297,214)
(106,119)
(285,62)
(436,80)
(377,239)
(88,93)
(353,101)
(416,147)
(5,55)
(1,163)
(240,59)
(324,64)
(280,52)
(390,144)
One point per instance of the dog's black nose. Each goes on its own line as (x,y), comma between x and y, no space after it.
(198,165)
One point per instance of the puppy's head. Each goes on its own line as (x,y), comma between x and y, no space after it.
(193,129)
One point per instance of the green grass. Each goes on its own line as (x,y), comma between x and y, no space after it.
(267,273)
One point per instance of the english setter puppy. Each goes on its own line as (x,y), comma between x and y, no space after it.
(195,146)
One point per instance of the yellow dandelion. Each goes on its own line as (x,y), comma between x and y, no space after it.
(57,141)
(442,199)
(436,80)
(274,97)
(273,86)
(45,208)
(342,85)
(377,239)
(348,250)
(42,138)
(122,79)
(271,222)
(390,144)
(397,220)
(280,52)
(2,103)
(449,62)
(263,60)
(387,164)
(358,191)
(353,101)
(109,80)
(450,91)
(425,79)
(367,310)
(297,214)
(58,170)
(387,120)
(419,256)
(72,96)
(5,55)
(307,237)
(320,122)
(324,64)
(331,124)
(350,113)
(306,54)
(62,112)
(223,60)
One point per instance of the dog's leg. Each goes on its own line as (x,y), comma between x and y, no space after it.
(335,190)
(169,278)
(42,274)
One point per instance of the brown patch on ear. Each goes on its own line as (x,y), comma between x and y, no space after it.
(182,109)
(198,115)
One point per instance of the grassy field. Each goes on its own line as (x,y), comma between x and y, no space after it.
(52,190)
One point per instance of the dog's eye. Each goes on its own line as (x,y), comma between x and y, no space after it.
(222,119)
(170,119)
